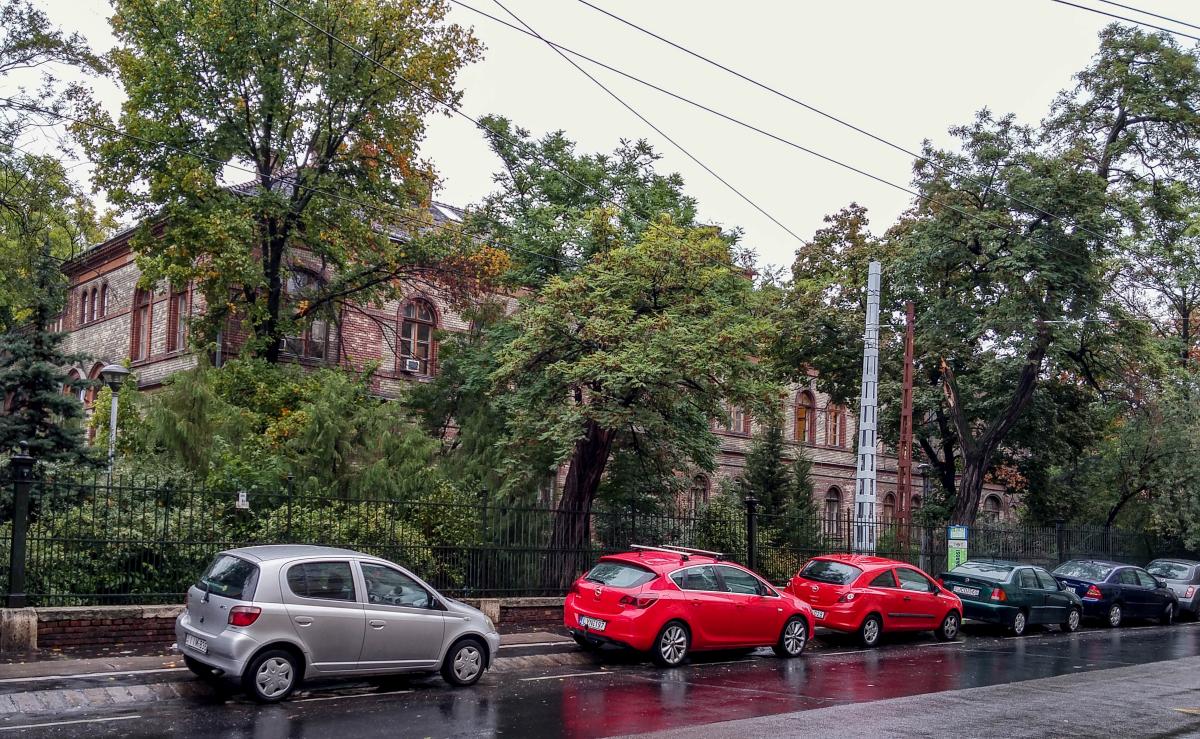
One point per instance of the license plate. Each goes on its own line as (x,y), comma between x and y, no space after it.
(963,590)
(818,614)
(594,624)
(195,642)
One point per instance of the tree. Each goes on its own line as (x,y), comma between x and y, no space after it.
(330,136)
(648,339)
(766,473)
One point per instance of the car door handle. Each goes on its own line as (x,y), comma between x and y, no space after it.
(908,597)
(303,620)
(695,602)
(376,624)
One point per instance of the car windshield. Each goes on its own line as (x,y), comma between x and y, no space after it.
(231,577)
(825,570)
(1085,570)
(619,575)
(1170,570)
(983,570)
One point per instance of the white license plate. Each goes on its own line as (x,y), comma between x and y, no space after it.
(594,624)
(962,590)
(195,642)
(818,614)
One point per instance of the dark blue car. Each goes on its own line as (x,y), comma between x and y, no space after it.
(1113,592)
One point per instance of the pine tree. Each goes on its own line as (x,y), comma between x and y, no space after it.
(43,402)
(766,476)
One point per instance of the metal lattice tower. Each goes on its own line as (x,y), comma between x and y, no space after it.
(865,490)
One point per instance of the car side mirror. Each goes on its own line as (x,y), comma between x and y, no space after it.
(1160,582)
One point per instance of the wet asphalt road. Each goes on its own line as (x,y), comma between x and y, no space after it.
(618,695)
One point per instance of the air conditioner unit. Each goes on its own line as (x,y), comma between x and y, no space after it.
(412,365)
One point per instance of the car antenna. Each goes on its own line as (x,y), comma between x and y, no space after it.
(643,548)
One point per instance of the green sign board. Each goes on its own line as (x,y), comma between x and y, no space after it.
(956,546)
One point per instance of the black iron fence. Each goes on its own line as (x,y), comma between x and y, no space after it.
(83,542)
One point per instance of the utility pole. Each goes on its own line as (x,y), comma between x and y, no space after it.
(904,465)
(865,489)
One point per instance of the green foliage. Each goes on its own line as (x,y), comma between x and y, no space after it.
(766,474)
(129,418)
(720,525)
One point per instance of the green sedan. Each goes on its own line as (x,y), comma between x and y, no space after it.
(1013,595)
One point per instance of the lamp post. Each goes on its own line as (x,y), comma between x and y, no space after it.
(113,375)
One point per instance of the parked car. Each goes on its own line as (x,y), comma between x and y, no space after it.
(1013,595)
(1183,577)
(872,596)
(272,616)
(1113,592)
(671,601)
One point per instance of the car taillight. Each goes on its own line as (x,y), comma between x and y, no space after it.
(1093,593)
(847,597)
(999,595)
(1190,591)
(243,615)
(629,600)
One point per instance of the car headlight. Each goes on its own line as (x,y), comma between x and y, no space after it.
(491,626)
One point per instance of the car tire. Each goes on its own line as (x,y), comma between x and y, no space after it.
(871,631)
(1115,616)
(793,639)
(199,669)
(1074,618)
(1020,622)
(672,644)
(465,662)
(271,676)
(948,631)
(1168,616)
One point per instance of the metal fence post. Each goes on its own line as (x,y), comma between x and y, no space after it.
(1060,534)
(22,474)
(288,526)
(751,530)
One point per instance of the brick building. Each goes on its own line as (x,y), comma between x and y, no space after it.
(110,319)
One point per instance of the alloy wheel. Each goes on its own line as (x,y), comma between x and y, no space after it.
(1114,615)
(467,663)
(1073,620)
(1018,626)
(871,631)
(795,635)
(673,644)
(950,626)
(274,677)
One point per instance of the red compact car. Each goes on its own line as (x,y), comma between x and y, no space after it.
(670,601)
(872,595)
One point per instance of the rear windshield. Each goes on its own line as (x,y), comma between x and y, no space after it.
(983,570)
(1170,570)
(824,570)
(619,575)
(1085,571)
(230,577)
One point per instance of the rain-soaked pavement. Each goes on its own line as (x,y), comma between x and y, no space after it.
(619,695)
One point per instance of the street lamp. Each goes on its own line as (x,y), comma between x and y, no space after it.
(113,375)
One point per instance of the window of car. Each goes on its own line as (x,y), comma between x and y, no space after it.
(1145,579)
(984,571)
(389,587)
(1081,570)
(884,579)
(323,580)
(830,571)
(230,577)
(1046,580)
(703,577)
(913,580)
(1027,580)
(1127,577)
(619,574)
(740,581)
(1170,570)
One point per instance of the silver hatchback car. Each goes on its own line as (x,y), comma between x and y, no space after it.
(272,616)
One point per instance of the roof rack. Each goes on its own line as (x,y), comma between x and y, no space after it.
(642,547)
(690,550)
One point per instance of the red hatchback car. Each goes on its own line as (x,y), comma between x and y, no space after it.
(873,595)
(672,601)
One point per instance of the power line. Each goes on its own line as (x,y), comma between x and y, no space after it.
(655,128)
(1126,19)
(807,106)
(1152,15)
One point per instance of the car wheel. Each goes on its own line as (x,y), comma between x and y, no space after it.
(464,663)
(271,676)
(199,669)
(1019,623)
(793,639)
(1073,619)
(672,645)
(1115,615)
(949,628)
(1168,616)
(871,631)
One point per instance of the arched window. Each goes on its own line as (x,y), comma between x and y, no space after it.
(833,505)
(104,300)
(699,491)
(142,325)
(417,350)
(991,509)
(806,417)
(313,341)
(740,421)
(177,318)
(83,304)
(889,508)
(94,308)
(835,425)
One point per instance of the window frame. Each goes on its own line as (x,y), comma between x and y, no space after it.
(434,603)
(764,589)
(806,432)
(354,593)
(406,346)
(307,336)
(886,573)
(177,315)
(141,326)
(931,588)
(719,582)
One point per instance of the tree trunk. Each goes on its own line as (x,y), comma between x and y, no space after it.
(267,329)
(572,521)
(970,489)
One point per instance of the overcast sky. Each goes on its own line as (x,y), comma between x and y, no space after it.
(905,70)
